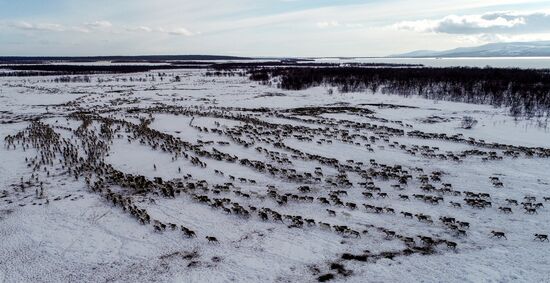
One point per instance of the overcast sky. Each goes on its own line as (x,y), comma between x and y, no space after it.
(264,27)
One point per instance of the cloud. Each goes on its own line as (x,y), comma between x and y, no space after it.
(49,27)
(328,24)
(332,24)
(495,22)
(37,27)
(99,25)
(180,31)
(142,29)
(54,27)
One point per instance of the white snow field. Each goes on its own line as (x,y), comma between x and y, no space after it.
(123,180)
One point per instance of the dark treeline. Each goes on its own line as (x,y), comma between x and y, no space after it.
(526,92)
(64,70)
(29,70)
(252,65)
(144,58)
(291,63)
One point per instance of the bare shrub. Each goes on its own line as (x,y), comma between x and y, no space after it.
(468,122)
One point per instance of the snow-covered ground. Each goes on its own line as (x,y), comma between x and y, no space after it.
(55,227)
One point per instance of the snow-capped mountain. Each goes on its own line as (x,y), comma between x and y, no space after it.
(503,49)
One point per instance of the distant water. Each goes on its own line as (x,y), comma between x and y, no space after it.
(496,62)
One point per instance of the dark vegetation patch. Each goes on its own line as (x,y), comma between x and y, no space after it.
(348,256)
(40,66)
(310,111)
(434,119)
(387,105)
(259,110)
(30,70)
(270,94)
(286,63)
(325,277)
(315,111)
(114,59)
(526,92)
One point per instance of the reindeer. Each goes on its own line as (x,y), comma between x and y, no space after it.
(498,234)
(506,210)
(407,214)
(541,237)
(212,239)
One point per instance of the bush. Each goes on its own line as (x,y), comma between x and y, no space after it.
(468,122)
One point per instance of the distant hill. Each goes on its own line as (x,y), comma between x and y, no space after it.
(503,49)
(143,58)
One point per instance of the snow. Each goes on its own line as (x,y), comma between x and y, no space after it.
(83,237)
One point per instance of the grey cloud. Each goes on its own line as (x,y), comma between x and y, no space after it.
(496,22)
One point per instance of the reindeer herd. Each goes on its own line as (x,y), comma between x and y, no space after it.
(337,189)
